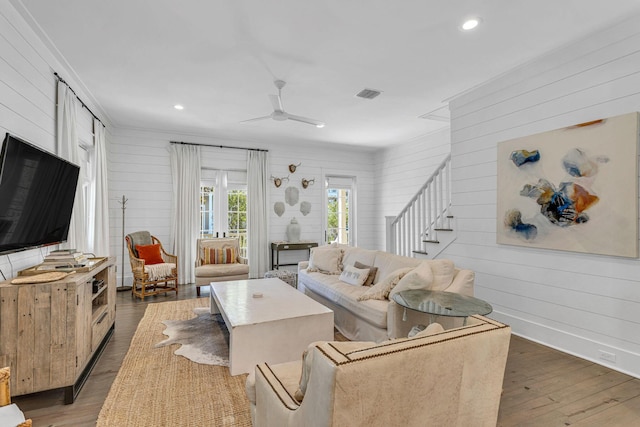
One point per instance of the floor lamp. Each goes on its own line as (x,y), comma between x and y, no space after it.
(122,287)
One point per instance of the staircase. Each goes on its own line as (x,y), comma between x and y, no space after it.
(424,227)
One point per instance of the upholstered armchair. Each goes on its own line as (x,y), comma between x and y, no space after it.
(154,270)
(436,378)
(219,260)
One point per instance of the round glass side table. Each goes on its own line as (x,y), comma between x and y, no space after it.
(441,303)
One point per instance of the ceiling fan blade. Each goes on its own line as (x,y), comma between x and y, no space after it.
(256,119)
(316,123)
(276,101)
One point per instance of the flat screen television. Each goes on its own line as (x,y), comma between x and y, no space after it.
(37,191)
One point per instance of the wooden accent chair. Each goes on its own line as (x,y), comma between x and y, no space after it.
(10,414)
(154,270)
(209,270)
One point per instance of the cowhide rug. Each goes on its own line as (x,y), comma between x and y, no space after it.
(204,339)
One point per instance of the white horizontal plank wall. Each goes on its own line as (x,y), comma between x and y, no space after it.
(403,170)
(579,303)
(139,169)
(28,103)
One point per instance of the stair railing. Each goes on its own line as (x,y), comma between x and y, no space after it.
(426,212)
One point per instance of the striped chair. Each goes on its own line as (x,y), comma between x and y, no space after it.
(219,260)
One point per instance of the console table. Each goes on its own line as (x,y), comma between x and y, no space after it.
(277,247)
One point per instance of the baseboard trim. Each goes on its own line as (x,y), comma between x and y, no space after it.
(627,362)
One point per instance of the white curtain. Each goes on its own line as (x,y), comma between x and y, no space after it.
(68,149)
(101,212)
(185,223)
(257,213)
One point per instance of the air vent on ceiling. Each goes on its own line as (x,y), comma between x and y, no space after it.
(368,93)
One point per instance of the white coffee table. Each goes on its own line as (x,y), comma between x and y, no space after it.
(274,328)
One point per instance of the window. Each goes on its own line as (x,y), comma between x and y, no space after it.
(340,224)
(223,205)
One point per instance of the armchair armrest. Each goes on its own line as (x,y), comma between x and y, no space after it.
(169,258)
(302,265)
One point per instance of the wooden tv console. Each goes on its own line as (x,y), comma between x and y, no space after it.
(51,334)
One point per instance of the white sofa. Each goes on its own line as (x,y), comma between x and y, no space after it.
(441,378)
(373,319)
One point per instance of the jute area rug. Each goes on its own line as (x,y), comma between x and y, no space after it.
(155,387)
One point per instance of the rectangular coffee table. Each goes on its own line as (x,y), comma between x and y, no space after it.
(276,327)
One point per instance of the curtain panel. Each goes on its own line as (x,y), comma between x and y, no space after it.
(257,213)
(100,239)
(68,149)
(185,212)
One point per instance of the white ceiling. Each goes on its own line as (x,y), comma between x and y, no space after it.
(219,59)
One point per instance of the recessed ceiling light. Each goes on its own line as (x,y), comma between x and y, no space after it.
(178,107)
(320,125)
(470,24)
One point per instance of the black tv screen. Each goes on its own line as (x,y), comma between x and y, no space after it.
(37,190)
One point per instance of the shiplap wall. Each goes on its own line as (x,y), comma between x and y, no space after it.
(403,169)
(139,170)
(28,103)
(578,303)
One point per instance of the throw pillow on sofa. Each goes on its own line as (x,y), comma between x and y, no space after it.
(372,272)
(443,272)
(325,260)
(432,329)
(420,277)
(381,289)
(354,276)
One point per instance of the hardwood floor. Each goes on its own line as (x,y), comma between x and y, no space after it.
(542,387)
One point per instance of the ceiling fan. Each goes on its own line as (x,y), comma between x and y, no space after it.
(278,110)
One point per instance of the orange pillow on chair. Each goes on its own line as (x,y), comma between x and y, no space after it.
(219,256)
(150,253)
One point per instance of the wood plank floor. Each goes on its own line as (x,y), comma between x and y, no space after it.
(542,387)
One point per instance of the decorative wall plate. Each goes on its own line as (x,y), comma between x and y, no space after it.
(291,195)
(278,208)
(305,208)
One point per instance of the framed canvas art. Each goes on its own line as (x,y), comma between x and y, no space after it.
(572,189)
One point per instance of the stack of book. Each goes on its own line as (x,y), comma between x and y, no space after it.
(62,259)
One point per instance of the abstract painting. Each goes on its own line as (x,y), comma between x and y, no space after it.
(572,189)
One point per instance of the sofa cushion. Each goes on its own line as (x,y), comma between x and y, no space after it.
(388,263)
(325,259)
(344,295)
(372,272)
(443,272)
(354,276)
(216,270)
(420,277)
(351,255)
(380,290)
